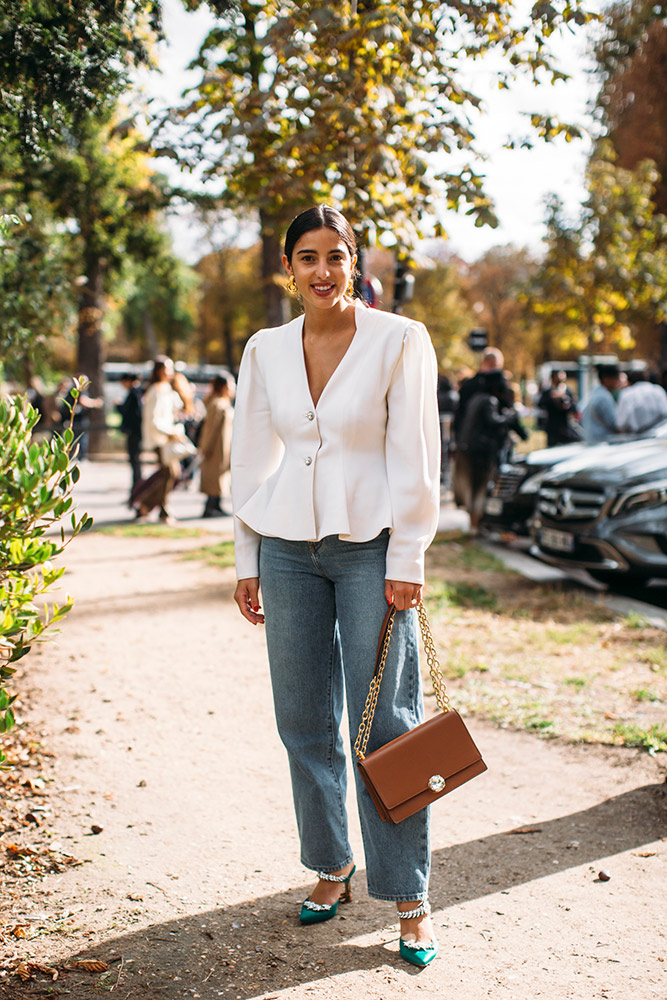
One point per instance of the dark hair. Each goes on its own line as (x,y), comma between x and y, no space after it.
(219,382)
(607,371)
(319,217)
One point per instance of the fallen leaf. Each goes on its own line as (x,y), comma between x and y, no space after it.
(19,930)
(89,965)
(527,829)
(644,854)
(23,971)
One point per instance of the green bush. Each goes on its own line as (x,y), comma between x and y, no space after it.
(36,483)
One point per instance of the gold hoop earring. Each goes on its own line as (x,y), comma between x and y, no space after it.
(291,286)
(349,291)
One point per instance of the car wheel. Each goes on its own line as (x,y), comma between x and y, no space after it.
(619,578)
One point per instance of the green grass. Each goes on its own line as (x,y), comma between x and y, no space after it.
(645,694)
(657,659)
(221,554)
(470,555)
(634,620)
(458,666)
(569,633)
(150,531)
(441,594)
(576,682)
(632,735)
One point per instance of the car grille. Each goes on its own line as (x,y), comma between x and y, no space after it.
(508,483)
(562,503)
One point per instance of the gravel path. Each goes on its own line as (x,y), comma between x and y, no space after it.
(156,703)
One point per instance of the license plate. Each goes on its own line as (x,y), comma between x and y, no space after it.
(493,506)
(559,541)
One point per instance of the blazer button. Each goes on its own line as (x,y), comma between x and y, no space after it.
(308,461)
(310,415)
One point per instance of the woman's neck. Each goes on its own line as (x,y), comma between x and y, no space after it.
(324,322)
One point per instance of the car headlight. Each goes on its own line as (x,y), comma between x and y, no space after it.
(648,495)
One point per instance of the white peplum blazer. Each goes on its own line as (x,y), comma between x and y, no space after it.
(367,457)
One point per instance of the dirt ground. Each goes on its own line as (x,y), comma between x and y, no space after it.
(155,703)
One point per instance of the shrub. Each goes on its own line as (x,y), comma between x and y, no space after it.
(36,483)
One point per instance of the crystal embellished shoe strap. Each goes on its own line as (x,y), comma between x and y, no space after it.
(317,907)
(423,910)
(333,878)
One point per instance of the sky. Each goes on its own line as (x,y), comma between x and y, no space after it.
(517,180)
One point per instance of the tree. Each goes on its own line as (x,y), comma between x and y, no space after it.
(497,286)
(36,280)
(350,103)
(604,277)
(61,60)
(441,302)
(229,308)
(160,305)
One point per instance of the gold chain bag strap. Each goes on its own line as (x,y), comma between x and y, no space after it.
(420,766)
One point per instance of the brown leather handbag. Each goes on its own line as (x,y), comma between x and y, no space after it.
(420,766)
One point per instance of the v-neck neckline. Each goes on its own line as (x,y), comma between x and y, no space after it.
(333,374)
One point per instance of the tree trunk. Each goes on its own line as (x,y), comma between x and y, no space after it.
(274,297)
(150,335)
(662,327)
(228,359)
(90,350)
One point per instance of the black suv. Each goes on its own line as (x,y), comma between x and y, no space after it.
(609,517)
(512,498)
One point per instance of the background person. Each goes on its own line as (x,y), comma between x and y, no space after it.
(215,442)
(159,428)
(82,406)
(598,419)
(641,405)
(335,481)
(130,423)
(484,440)
(558,404)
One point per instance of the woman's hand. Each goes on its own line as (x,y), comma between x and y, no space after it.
(403,595)
(246,596)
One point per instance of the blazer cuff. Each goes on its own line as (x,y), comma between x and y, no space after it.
(405,570)
(246,550)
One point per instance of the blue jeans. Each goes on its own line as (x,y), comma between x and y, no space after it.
(324,604)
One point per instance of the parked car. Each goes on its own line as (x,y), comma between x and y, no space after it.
(512,499)
(608,516)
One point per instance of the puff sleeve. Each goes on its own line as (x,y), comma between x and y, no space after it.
(256,453)
(413,456)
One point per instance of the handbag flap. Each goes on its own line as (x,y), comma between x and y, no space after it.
(402,768)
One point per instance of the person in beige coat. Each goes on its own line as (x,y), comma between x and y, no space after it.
(214,444)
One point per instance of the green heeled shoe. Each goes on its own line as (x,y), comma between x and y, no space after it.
(420,955)
(316,913)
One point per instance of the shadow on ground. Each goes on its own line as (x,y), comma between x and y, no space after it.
(257,947)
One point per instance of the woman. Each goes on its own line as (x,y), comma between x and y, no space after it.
(214,445)
(159,430)
(335,483)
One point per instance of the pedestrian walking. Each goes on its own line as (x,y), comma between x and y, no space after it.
(130,423)
(598,419)
(335,482)
(162,434)
(484,441)
(215,440)
(558,406)
(75,410)
(492,361)
(641,405)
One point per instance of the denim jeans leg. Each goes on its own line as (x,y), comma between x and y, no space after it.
(307,680)
(397,855)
